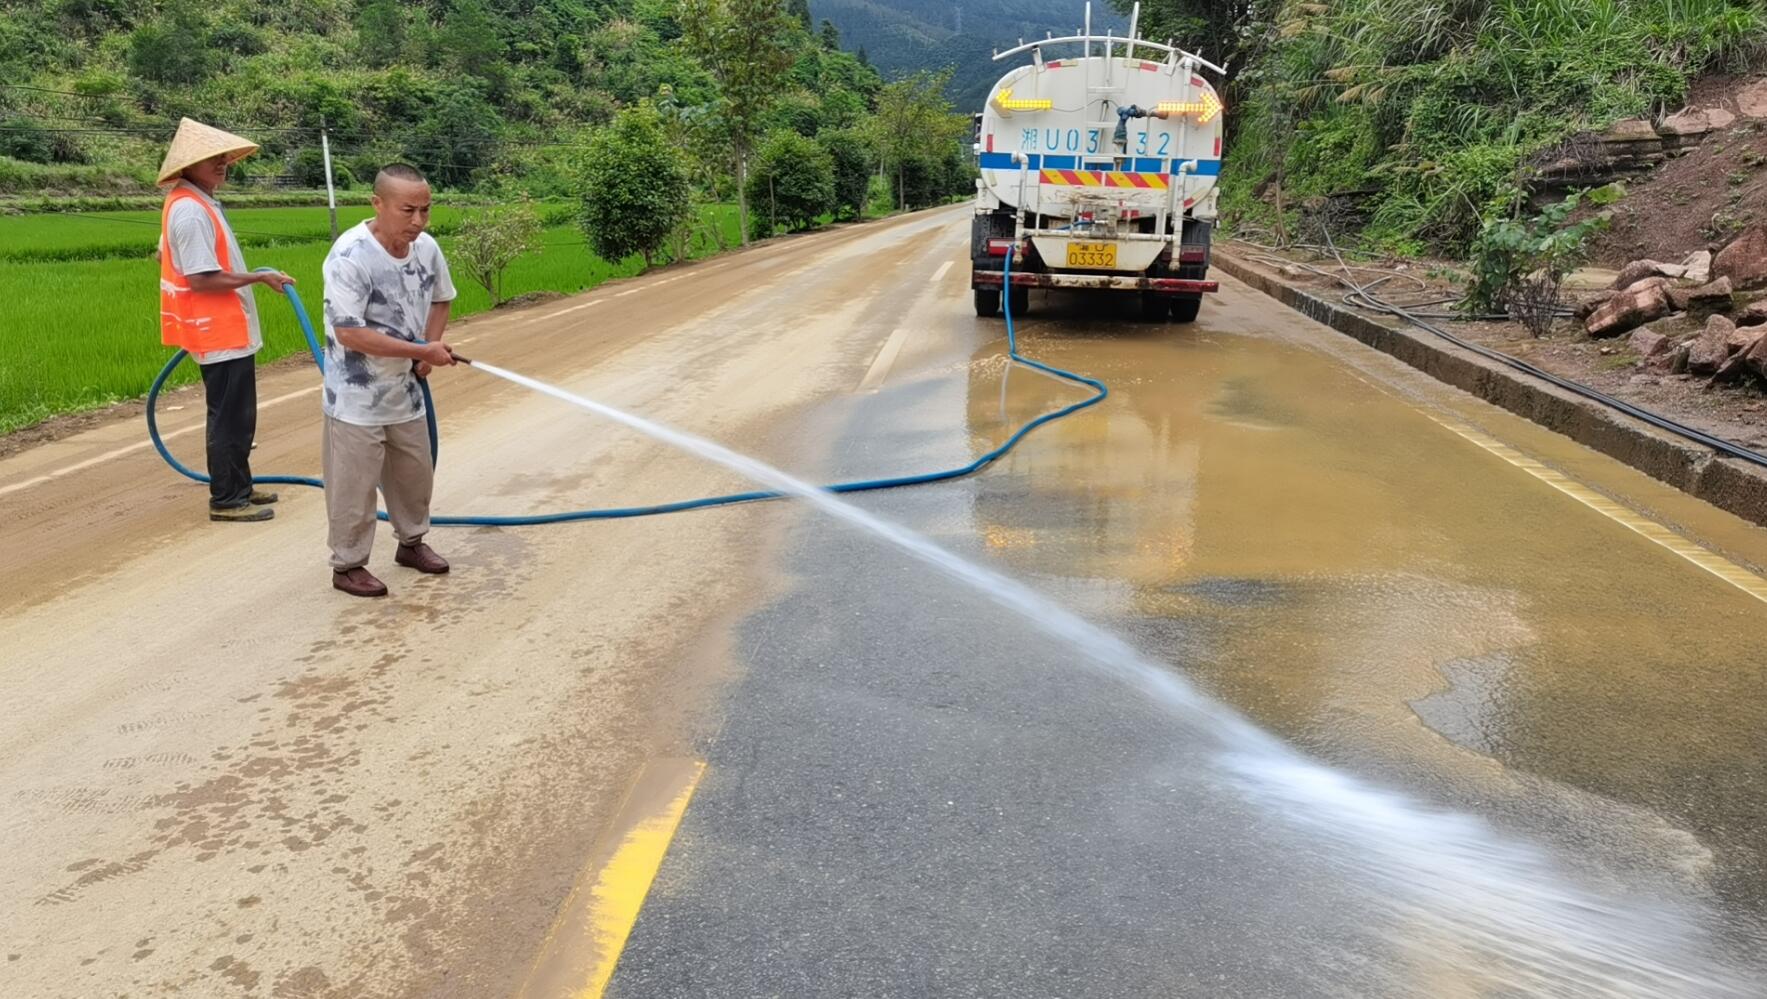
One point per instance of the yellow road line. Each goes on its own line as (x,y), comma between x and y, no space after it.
(1711,562)
(585,944)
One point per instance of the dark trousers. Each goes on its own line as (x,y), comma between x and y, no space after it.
(232,391)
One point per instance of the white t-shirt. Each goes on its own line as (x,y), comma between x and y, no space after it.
(368,288)
(190,236)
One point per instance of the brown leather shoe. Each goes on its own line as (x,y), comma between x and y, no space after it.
(241,514)
(262,498)
(358,582)
(421,557)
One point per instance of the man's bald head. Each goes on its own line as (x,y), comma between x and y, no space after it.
(401,205)
(397,173)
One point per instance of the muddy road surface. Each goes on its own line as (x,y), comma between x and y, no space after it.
(750,752)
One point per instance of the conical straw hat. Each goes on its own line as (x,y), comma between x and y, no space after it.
(196,142)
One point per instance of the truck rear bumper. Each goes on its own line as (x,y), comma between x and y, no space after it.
(1112,282)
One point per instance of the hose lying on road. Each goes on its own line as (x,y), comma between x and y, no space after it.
(1363,296)
(615,513)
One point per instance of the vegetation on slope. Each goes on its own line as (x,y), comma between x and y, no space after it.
(1428,112)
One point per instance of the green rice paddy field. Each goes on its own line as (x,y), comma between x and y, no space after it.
(79,295)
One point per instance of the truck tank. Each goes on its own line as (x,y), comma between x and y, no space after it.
(1098,164)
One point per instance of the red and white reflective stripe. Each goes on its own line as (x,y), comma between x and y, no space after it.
(998,247)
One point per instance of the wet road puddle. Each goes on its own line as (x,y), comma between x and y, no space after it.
(1344,568)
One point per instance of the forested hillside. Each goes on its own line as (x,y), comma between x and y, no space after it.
(482,94)
(900,36)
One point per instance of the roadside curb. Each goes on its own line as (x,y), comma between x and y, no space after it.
(1731,485)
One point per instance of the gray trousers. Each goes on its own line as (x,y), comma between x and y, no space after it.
(395,458)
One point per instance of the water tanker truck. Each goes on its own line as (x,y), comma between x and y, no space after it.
(1098,166)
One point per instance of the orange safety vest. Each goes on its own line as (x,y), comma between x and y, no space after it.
(201,322)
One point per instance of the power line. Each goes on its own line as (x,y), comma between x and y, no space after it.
(64,93)
(153,131)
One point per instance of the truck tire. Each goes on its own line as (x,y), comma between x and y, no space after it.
(987,303)
(1020,300)
(1185,308)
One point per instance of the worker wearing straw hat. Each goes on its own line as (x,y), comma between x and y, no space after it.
(206,308)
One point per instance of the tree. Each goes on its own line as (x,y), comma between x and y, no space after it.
(307,169)
(21,139)
(792,184)
(912,125)
(800,11)
(470,41)
(831,36)
(490,239)
(173,49)
(380,33)
(743,45)
(456,138)
(1221,31)
(851,152)
(635,188)
(94,19)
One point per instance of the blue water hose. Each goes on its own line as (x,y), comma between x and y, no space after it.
(617,513)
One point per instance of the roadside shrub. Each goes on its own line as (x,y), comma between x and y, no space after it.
(635,193)
(1519,265)
(792,183)
(489,239)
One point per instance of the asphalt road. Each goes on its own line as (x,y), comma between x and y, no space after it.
(860,778)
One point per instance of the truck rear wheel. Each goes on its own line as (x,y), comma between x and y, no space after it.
(987,303)
(1184,309)
(1020,300)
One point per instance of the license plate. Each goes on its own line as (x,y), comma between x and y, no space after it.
(1099,255)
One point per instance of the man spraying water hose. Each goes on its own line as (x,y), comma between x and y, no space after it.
(206,308)
(387,298)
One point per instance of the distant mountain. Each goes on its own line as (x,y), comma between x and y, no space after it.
(901,36)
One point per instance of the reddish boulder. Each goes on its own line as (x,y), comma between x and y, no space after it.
(1754,314)
(1744,261)
(1751,358)
(1648,343)
(1713,297)
(1710,349)
(1638,270)
(1630,309)
(1589,304)
(1687,122)
(1698,266)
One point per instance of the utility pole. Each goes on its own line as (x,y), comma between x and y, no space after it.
(330,191)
